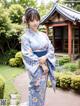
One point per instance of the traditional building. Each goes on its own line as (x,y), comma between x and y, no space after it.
(64,23)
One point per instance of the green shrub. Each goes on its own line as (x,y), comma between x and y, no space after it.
(64,60)
(67,72)
(15,62)
(57,77)
(11,52)
(75,83)
(18,58)
(12,62)
(16,29)
(70,66)
(5,22)
(18,61)
(77,7)
(15,13)
(5,26)
(2,86)
(4,58)
(18,55)
(78,63)
(65,81)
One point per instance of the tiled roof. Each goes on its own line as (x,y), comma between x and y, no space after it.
(66,12)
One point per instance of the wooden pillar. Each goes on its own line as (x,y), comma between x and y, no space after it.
(47,30)
(79,38)
(73,43)
(53,36)
(69,39)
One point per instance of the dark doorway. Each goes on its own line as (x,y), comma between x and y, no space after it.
(58,39)
(61,39)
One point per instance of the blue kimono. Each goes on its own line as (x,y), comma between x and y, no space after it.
(33,46)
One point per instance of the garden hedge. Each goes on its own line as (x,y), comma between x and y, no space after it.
(67,81)
(2,86)
(17,61)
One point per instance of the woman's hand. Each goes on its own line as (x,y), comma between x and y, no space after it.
(45,68)
(42,60)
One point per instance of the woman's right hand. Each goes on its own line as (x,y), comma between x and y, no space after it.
(42,60)
(45,68)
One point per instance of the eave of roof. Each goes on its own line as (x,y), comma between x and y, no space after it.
(68,13)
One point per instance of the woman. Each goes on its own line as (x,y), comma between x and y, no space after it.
(38,58)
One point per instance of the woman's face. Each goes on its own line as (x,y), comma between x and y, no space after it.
(34,24)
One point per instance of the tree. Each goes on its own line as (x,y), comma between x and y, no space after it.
(27,3)
(9,32)
(5,3)
(15,12)
(44,9)
(5,25)
(24,3)
(72,3)
(77,7)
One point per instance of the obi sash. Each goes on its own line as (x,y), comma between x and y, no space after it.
(40,53)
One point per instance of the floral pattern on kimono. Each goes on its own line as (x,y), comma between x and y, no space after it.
(34,42)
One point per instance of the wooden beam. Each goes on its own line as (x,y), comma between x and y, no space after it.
(47,30)
(79,37)
(69,39)
(58,25)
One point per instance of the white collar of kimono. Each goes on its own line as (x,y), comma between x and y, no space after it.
(31,31)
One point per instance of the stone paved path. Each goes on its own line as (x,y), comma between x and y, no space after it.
(59,98)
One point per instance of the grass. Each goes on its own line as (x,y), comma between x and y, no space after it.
(9,74)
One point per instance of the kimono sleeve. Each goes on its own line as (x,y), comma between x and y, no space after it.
(50,54)
(30,60)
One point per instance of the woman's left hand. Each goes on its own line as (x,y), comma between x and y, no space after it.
(45,68)
(42,60)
